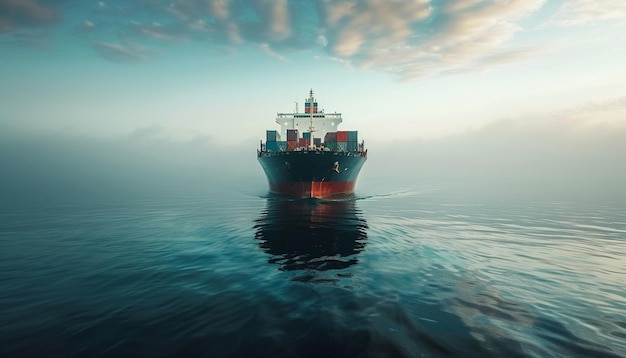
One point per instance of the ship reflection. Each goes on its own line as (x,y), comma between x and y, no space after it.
(304,235)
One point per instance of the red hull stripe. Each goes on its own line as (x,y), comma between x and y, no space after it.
(317,189)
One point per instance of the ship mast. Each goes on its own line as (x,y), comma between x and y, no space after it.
(311,129)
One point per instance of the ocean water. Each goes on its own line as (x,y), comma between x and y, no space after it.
(401,272)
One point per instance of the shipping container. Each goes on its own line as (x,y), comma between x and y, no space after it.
(303,142)
(330,137)
(276,146)
(342,146)
(330,145)
(271,146)
(342,136)
(291,145)
(272,136)
(353,146)
(353,136)
(317,142)
(292,134)
(306,135)
(307,107)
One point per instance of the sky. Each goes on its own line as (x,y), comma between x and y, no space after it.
(524,87)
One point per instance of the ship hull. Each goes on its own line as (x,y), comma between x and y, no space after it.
(312,174)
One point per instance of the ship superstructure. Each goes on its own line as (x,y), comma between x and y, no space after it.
(324,122)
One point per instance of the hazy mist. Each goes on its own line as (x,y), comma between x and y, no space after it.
(535,160)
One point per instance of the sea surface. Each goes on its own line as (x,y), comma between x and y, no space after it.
(234,272)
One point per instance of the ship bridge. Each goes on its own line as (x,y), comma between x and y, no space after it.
(321,122)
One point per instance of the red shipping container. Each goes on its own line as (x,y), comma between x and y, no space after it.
(342,136)
(291,145)
(303,142)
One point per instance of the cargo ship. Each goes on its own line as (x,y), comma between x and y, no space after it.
(316,160)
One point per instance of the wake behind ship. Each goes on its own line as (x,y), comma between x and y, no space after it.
(305,166)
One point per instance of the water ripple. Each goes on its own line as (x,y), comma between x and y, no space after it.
(408,273)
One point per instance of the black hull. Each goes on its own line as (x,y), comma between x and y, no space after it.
(312,174)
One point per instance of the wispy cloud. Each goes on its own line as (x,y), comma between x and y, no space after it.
(266,49)
(605,111)
(497,58)
(87,25)
(40,39)
(18,14)
(159,32)
(266,21)
(578,12)
(615,104)
(123,52)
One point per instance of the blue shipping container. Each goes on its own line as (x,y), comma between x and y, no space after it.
(276,146)
(272,136)
(271,146)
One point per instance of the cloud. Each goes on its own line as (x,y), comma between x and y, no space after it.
(277,13)
(615,104)
(601,113)
(123,52)
(579,12)
(266,49)
(266,21)
(411,39)
(87,25)
(160,32)
(35,39)
(18,14)
(498,58)
(152,132)
(355,26)
(160,134)
(407,39)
